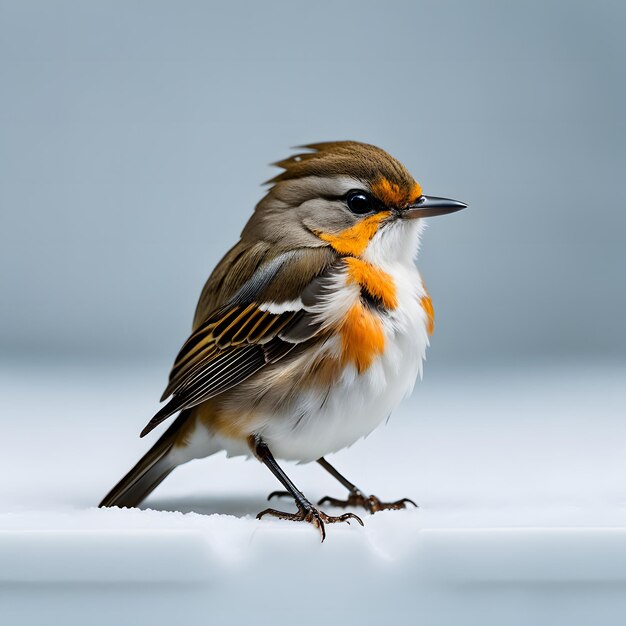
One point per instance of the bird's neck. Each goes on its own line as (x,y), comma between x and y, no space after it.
(398,243)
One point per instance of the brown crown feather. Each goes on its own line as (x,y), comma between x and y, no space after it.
(345,158)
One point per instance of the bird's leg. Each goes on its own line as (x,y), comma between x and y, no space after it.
(306,511)
(357,497)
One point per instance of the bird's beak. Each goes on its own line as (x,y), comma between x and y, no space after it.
(429,206)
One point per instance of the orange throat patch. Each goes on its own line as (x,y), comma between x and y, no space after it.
(353,241)
(376,282)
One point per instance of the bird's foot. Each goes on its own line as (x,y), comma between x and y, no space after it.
(308,513)
(369,503)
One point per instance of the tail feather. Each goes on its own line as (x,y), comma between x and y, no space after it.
(148,473)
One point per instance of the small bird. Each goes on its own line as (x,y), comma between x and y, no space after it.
(308,333)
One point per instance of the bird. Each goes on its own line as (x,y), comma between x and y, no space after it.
(308,333)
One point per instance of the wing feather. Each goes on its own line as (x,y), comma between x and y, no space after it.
(236,341)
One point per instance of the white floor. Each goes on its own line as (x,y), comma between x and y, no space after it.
(519,473)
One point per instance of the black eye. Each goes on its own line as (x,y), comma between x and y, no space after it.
(359,202)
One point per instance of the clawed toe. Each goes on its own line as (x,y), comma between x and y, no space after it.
(308,513)
(340,504)
(346,517)
(377,505)
(279,494)
(369,503)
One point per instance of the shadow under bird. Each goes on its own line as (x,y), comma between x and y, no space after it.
(308,333)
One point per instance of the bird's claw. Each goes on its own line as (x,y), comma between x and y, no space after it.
(279,494)
(308,513)
(369,503)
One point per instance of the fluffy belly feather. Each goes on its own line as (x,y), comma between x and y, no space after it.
(325,422)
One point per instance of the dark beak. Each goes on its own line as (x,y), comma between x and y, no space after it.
(429,206)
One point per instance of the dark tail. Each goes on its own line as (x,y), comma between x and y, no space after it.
(148,473)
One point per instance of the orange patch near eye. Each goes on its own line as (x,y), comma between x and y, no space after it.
(362,337)
(391,194)
(354,240)
(427,304)
(377,283)
(415,193)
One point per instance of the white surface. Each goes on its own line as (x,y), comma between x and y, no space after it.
(519,474)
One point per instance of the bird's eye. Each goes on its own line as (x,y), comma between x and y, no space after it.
(359,202)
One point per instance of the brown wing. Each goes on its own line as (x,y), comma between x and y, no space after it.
(223,352)
(267,272)
(231,333)
(236,341)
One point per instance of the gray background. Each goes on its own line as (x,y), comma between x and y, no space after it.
(133,140)
(135,135)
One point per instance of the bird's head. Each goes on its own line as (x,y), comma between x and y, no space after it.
(350,196)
